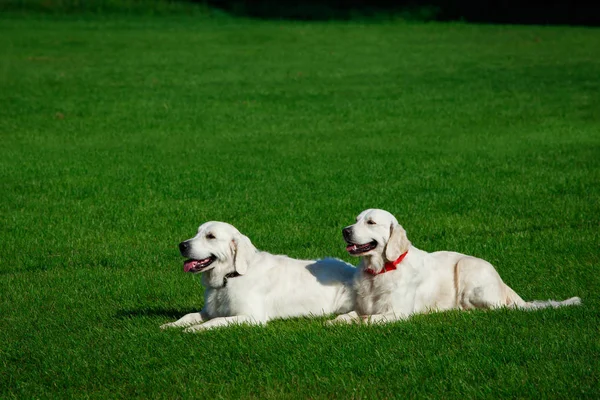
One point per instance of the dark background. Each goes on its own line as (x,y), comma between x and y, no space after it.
(575,12)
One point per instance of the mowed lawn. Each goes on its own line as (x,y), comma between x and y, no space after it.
(121,135)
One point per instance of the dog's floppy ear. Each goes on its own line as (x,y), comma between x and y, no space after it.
(243,249)
(397,244)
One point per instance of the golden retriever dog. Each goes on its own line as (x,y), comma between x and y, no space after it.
(396,280)
(245,285)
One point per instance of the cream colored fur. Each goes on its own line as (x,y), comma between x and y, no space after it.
(269,286)
(423,281)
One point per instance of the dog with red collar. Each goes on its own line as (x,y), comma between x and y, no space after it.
(396,279)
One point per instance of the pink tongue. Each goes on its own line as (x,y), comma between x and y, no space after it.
(351,247)
(188,265)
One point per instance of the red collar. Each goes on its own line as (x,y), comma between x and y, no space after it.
(389,266)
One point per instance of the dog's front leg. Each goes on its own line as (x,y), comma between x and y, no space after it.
(187,320)
(225,321)
(382,318)
(349,318)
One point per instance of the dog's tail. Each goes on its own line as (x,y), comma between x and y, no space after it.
(514,300)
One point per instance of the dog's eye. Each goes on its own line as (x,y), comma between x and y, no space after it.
(371,222)
(210,236)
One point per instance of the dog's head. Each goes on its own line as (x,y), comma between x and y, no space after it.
(217,246)
(376,234)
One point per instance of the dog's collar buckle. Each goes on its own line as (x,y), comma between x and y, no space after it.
(389,266)
(229,276)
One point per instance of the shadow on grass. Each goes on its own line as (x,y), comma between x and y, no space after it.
(154,312)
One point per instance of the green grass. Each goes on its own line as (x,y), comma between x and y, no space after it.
(121,135)
(106,7)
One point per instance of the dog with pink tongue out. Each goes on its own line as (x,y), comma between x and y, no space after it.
(246,286)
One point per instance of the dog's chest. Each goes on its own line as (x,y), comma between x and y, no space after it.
(383,294)
(373,295)
(218,302)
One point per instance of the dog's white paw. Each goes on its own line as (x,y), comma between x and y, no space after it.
(344,319)
(195,328)
(169,325)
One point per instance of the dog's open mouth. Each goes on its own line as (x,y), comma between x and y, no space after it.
(198,265)
(356,249)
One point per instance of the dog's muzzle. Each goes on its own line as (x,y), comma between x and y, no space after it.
(353,248)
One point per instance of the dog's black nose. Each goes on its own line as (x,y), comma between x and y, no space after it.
(347,232)
(183,246)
